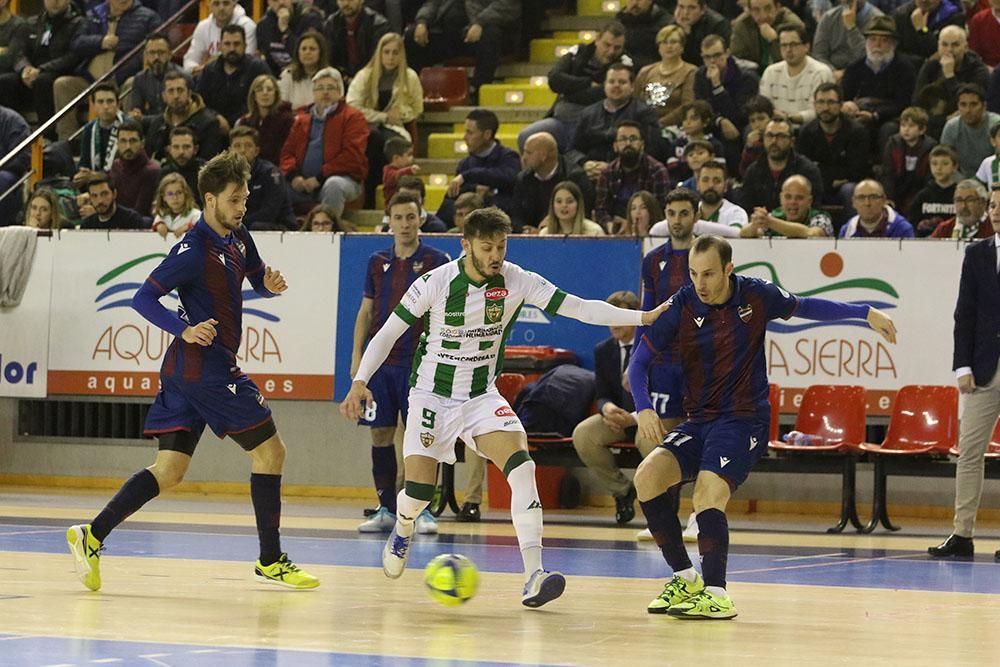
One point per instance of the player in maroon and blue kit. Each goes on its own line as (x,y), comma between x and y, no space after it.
(719,323)
(390,274)
(664,271)
(200,381)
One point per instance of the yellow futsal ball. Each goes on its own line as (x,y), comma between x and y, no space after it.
(451,579)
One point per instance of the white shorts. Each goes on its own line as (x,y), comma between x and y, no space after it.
(434,423)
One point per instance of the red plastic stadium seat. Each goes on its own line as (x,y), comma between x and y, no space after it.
(510,385)
(992,449)
(444,87)
(924,421)
(836,413)
(774,397)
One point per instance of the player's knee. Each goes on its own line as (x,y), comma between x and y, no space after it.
(655,474)
(271,454)
(710,492)
(168,475)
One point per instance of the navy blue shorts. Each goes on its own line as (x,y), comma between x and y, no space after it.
(390,387)
(228,406)
(666,389)
(728,446)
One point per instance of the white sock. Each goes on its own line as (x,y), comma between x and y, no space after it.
(526,513)
(688,574)
(407,509)
(717,591)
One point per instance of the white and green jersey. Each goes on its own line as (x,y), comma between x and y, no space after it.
(467,323)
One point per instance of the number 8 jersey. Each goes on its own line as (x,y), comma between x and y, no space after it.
(467,324)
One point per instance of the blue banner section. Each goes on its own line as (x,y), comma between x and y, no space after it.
(589,268)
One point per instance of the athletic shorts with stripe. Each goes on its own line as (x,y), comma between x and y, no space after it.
(436,422)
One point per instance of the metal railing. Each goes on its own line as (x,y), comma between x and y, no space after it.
(34,140)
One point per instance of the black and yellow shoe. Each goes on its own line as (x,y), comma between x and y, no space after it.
(705,605)
(284,572)
(86,552)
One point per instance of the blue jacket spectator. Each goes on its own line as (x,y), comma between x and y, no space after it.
(134,24)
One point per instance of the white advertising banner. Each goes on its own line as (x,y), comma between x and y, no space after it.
(915,282)
(24,331)
(100,345)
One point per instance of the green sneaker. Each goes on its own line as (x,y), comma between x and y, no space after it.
(676,591)
(284,572)
(86,552)
(704,605)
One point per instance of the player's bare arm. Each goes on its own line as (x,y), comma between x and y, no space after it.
(353,406)
(274,282)
(202,333)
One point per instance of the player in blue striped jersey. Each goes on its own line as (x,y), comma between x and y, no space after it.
(719,323)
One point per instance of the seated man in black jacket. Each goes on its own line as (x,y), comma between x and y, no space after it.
(183,107)
(268,207)
(543,169)
(225,81)
(578,79)
(103,211)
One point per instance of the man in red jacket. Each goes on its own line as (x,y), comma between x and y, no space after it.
(323,158)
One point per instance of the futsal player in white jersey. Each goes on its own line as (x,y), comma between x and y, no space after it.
(469,306)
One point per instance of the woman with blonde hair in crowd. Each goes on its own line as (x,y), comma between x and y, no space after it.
(295,84)
(42,210)
(566,213)
(174,207)
(668,84)
(389,94)
(642,213)
(270,115)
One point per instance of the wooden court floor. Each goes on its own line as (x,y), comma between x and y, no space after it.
(178,590)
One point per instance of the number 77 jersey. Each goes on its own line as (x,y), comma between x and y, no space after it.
(467,324)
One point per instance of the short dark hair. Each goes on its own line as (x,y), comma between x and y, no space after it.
(702,108)
(245,131)
(131,125)
(225,168)
(485,120)
(613,27)
(971,89)
(798,28)
(695,144)
(828,86)
(396,146)
(104,87)
(158,37)
(760,104)
(682,194)
(486,223)
(404,198)
(628,123)
(707,242)
(98,177)
(620,66)
(944,150)
(469,200)
(182,130)
(712,38)
(916,115)
(235,28)
(411,182)
(718,165)
(173,74)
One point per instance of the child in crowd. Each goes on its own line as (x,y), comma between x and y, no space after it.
(697,124)
(465,203)
(761,112)
(174,207)
(399,163)
(906,160)
(936,201)
(696,153)
(989,169)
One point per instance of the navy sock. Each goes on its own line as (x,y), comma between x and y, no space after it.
(138,490)
(661,516)
(384,475)
(265,492)
(713,545)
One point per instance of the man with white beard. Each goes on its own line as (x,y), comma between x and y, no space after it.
(879,86)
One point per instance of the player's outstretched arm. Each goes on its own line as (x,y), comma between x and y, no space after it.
(650,316)
(882,323)
(601,312)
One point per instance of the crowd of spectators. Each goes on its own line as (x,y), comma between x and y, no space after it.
(857,118)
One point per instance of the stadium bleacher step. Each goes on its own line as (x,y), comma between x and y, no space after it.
(437,165)
(574,23)
(506,114)
(522,69)
(598,7)
(452,144)
(432,199)
(546,50)
(516,95)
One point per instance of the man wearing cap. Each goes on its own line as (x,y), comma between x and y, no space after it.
(879,86)
(323,158)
